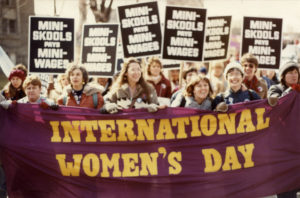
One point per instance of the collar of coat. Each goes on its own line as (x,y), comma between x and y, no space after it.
(89,89)
(125,88)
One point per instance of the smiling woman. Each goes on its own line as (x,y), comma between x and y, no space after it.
(131,90)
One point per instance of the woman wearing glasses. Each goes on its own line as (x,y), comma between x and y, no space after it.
(250,65)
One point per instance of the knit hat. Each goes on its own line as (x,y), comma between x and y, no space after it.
(234,65)
(286,66)
(18,73)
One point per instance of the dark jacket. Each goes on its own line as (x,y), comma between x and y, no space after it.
(231,97)
(19,94)
(279,90)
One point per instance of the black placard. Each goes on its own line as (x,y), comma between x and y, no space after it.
(99,46)
(184,33)
(51,44)
(262,38)
(140,29)
(217,37)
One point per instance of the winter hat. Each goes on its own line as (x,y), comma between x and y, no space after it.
(286,66)
(234,65)
(18,73)
(203,70)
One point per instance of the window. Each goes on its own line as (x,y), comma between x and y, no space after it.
(9,26)
(9,2)
(12,26)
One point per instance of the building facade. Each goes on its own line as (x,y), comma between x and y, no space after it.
(14,17)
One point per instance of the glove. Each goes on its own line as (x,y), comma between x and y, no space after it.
(111,108)
(272,100)
(123,104)
(54,107)
(296,87)
(152,108)
(222,107)
(5,104)
(44,105)
(140,105)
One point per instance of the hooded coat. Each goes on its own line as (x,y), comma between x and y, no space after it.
(86,98)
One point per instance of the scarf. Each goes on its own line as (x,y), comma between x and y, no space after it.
(252,84)
(77,95)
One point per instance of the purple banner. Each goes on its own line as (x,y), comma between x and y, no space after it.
(252,150)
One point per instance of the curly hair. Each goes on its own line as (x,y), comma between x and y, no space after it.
(72,67)
(189,90)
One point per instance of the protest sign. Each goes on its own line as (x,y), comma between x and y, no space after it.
(5,63)
(262,38)
(184,33)
(217,37)
(176,152)
(170,64)
(99,46)
(51,44)
(140,29)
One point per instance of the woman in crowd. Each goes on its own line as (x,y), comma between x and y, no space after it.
(130,90)
(13,90)
(217,78)
(55,90)
(197,94)
(80,93)
(155,76)
(235,92)
(250,65)
(289,80)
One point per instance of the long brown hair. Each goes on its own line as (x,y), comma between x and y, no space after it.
(122,78)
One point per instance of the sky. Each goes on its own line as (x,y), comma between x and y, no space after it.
(286,9)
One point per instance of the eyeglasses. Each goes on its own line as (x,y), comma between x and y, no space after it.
(250,65)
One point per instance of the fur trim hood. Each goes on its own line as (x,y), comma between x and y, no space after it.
(89,89)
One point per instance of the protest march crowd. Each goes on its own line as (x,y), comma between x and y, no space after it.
(225,84)
(145,83)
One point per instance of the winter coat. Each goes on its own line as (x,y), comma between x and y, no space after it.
(278,90)
(163,87)
(190,102)
(123,93)
(19,94)
(231,97)
(86,99)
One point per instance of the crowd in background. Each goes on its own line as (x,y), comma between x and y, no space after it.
(144,84)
